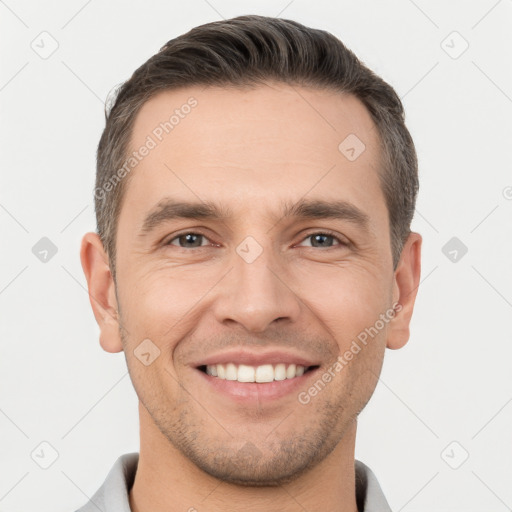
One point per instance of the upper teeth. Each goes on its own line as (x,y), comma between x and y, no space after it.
(263,373)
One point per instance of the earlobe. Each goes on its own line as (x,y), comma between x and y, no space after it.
(405,287)
(101,291)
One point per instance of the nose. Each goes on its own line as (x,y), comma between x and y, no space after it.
(256,294)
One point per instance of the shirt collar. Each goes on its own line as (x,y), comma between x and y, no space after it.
(112,496)
(369,495)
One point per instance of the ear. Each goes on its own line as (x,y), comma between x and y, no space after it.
(102,294)
(405,287)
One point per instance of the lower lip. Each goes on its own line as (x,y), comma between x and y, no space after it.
(244,392)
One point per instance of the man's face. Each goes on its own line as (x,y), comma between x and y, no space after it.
(255,286)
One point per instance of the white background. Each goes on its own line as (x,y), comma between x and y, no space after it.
(452,381)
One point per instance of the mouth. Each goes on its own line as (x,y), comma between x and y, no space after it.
(261,374)
(253,386)
(251,378)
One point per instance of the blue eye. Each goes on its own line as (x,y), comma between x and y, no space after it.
(191,239)
(323,239)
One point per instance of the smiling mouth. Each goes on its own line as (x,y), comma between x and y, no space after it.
(259,374)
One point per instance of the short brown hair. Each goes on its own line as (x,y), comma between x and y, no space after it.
(247,51)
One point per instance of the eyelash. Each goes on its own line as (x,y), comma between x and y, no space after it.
(341,243)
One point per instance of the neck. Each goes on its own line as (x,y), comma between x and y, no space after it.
(166,481)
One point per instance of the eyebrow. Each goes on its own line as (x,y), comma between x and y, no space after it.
(169,209)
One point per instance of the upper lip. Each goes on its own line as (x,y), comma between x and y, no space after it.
(256,358)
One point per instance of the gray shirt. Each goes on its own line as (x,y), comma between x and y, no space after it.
(112,496)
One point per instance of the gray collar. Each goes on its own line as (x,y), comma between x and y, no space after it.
(112,496)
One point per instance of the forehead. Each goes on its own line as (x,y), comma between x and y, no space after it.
(249,146)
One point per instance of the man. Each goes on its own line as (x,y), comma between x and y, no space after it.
(255,189)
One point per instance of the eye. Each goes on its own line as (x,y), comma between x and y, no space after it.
(189,240)
(324,239)
(193,240)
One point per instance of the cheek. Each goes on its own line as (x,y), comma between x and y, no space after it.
(161,300)
(347,300)
(163,306)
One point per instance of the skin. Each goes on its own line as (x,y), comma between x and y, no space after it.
(249,150)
